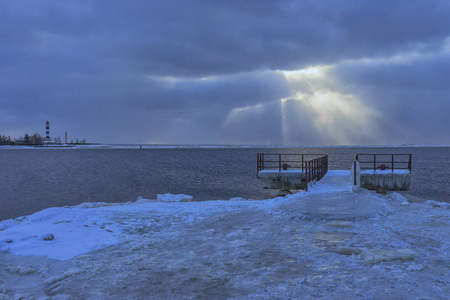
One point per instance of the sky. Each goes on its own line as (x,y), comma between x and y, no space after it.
(251,72)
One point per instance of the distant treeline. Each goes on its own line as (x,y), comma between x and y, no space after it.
(33,140)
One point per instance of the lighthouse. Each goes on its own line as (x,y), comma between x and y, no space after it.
(47,131)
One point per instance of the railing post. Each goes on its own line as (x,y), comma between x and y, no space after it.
(303,161)
(393,163)
(374,162)
(320,168)
(316,169)
(306,174)
(257,163)
(279,162)
(409,163)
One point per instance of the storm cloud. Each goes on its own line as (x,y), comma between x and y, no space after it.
(227,72)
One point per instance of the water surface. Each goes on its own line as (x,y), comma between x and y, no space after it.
(34,179)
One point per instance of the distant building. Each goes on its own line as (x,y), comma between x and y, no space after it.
(47,131)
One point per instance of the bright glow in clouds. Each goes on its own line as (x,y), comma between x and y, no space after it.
(341,118)
(240,112)
(315,107)
(338,117)
(310,72)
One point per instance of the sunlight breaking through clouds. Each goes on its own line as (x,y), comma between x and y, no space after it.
(315,108)
(316,72)
(337,116)
(240,112)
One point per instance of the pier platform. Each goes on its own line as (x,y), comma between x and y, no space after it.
(382,172)
(287,172)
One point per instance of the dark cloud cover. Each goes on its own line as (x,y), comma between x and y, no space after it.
(215,71)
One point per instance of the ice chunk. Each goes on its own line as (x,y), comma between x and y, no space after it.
(47,237)
(143,200)
(96,204)
(238,199)
(22,270)
(340,224)
(173,198)
(53,280)
(373,256)
(71,272)
(349,250)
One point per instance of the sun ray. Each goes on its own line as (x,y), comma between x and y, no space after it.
(337,116)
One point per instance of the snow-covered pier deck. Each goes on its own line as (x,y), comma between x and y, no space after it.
(382,172)
(287,172)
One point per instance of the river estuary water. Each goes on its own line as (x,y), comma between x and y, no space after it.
(34,179)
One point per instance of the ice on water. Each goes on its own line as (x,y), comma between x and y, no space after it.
(326,243)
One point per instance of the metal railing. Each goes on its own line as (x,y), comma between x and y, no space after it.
(281,161)
(315,166)
(383,162)
(316,169)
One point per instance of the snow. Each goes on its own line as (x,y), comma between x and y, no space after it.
(386,171)
(328,242)
(173,198)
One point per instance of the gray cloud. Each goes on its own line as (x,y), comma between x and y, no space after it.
(411,93)
(207,71)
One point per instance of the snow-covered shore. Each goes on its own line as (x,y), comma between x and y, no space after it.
(328,242)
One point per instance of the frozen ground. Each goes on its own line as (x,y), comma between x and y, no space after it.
(326,243)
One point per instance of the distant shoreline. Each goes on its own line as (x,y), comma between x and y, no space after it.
(163,146)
